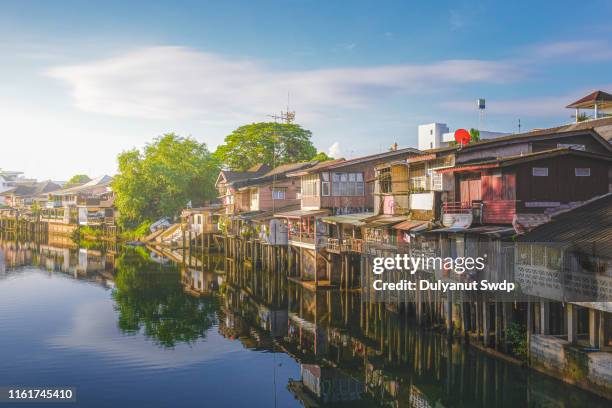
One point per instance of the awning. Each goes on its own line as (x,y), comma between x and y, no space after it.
(301,213)
(412,225)
(384,221)
(248,215)
(356,220)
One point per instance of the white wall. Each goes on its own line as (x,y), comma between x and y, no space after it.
(430,135)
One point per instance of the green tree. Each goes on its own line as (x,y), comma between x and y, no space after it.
(266,142)
(160,180)
(321,157)
(149,298)
(77,179)
(474,135)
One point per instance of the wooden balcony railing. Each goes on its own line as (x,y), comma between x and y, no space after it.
(306,237)
(333,245)
(354,245)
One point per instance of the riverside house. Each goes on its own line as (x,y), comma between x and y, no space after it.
(336,187)
(566,264)
(250,198)
(89,204)
(226,190)
(23,195)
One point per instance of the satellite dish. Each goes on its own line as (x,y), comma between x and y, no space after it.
(462,136)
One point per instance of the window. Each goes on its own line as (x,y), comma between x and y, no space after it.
(539,171)
(384,178)
(325,184)
(279,193)
(254,200)
(347,184)
(582,171)
(437,182)
(310,185)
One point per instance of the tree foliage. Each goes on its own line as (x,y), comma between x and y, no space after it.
(266,142)
(150,299)
(160,180)
(321,157)
(77,179)
(474,135)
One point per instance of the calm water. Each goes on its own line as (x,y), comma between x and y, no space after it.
(132,329)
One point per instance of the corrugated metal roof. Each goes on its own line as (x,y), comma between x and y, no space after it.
(588,228)
(300,213)
(512,160)
(356,220)
(411,224)
(384,220)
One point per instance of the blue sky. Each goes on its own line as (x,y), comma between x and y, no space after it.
(82,82)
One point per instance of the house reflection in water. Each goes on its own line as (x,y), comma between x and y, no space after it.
(94,265)
(366,354)
(328,384)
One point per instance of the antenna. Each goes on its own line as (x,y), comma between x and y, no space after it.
(287,116)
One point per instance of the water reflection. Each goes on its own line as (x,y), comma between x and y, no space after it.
(150,298)
(349,353)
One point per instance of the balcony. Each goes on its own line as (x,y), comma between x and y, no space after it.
(464,214)
(301,237)
(457,214)
(338,246)
(334,245)
(89,201)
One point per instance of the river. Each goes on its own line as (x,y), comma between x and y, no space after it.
(130,328)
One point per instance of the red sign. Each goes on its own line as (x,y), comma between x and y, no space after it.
(462,136)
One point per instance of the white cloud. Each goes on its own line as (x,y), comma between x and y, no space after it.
(576,49)
(334,150)
(179,82)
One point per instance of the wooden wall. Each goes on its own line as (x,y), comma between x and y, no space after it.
(561,184)
(266,203)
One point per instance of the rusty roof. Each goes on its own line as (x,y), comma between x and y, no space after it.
(587,228)
(340,163)
(513,160)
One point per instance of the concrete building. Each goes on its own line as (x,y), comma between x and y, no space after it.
(436,135)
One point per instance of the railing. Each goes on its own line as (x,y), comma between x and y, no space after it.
(333,245)
(354,245)
(89,201)
(208,228)
(456,207)
(306,237)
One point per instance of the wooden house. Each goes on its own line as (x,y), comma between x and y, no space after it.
(565,265)
(89,204)
(475,182)
(227,191)
(336,187)
(501,190)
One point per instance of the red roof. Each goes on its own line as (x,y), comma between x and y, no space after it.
(590,99)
